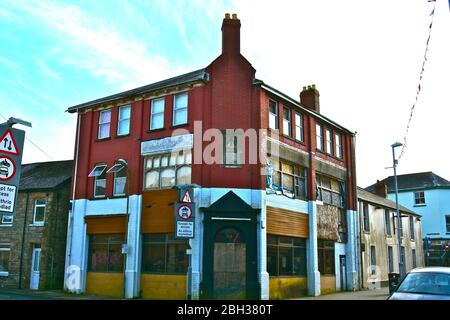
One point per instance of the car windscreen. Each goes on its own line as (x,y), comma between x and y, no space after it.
(426,283)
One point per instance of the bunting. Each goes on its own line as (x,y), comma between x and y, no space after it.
(419,87)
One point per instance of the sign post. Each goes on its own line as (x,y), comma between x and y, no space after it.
(11,149)
(184,214)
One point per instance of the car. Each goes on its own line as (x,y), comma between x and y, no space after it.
(432,283)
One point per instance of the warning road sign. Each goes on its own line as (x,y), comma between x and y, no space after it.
(8,143)
(7,168)
(187,197)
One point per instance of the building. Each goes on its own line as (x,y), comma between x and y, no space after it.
(429,195)
(379,241)
(33,239)
(256,236)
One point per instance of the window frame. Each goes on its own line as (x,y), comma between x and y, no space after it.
(100,124)
(36,205)
(412,233)
(338,145)
(413,258)
(108,243)
(373,258)
(299,126)
(120,121)
(277,243)
(297,179)
(387,222)
(319,137)
(366,217)
(124,167)
(239,155)
(276,115)
(447,223)
(152,113)
(418,199)
(320,188)
(6,247)
(323,248)
(96,179)
(287,123)
(390,258)
(329,141)
(175,109)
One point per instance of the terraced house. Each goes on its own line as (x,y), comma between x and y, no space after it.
(273,205)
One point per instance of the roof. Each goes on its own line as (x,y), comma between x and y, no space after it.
(421,180)
(45,175)
(175,81)
(377,200)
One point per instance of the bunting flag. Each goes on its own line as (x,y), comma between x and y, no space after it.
(419,86)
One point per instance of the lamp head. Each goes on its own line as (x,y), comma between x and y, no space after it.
(397,144)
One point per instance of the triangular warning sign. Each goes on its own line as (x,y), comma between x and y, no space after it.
(8,144)
(186,197)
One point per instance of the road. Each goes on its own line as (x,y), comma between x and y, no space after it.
(25,294)
(376,294)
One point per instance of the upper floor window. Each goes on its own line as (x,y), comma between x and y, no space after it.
(39,212)
(366,221)
(166,170)
(287,122)
(180,109)
(411,228)
(157,114)
(290,177)
(99,174)
(273,115)
(120,177)
(387,221)
(104,124)
(299,134)
(232,149)
(123,123)
(329,190)
(419,197)
(338,141)
(319,137)
(329,139)
(447,223)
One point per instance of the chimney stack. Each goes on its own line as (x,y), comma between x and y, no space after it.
(231,35)
(381,189)
(309,98)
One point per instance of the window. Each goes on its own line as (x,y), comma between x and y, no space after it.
(166,170)
(299,134)
(99,174)
(419,197)
(329,139)
(326,256)
(39,212)
(180,109)
(447,223)
(232,149)
(104,124)
(120,178)
(411,228)
(7,219)
(157,114)
(373,259)
(319,137)
(329,190)
(161,253)
(387,221)
(123,123)
(366,217)
(286,256)
(390,259)
(273,115)
(287,122)
(338,140)
(105,253)
(5,250)
(289,177)
(414,258)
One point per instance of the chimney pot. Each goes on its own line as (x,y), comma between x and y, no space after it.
(234,16)
(227,16)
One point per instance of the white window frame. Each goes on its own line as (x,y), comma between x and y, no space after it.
(117,167)
(329,141)
(100,124)
(175,108)
(121,121)
(275,115)
(338,151)
(299,134)
(287,123)
(157,113)
(96,175)
(5,247)
(319,137)
(7,223)
(36,205)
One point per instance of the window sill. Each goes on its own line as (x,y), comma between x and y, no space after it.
(155,130)
(36,225)
(103,139)
(119,196)
(329,155)
(4,273)
(99,198)
(4,225)
(122,136)
(420,205)
(231,166)
(179,125)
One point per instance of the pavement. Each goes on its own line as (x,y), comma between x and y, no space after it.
(374,294)
(26,294)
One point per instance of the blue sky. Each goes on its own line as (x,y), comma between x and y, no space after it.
(364,57)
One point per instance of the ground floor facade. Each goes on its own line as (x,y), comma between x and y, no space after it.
(247,245)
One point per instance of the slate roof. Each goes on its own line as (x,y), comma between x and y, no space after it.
(382,202)
(421,180)
(45,175)
(178,80)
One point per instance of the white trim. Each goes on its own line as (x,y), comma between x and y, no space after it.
(174,109)
(330,163)
(287,146)
(39,223)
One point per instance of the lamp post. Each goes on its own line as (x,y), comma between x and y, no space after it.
(399,218)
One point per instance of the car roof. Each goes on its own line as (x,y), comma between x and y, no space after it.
(432,269)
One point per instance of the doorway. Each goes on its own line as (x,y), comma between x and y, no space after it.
(35,267)
(343,272)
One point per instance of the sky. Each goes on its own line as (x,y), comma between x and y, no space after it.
(365,58)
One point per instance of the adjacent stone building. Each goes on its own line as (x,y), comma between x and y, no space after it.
(32,244)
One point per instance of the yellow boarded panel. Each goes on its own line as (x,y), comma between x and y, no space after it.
(287,223)
(105,284)
(287,287)
(163,287)
(158,211)
(106,225)
(327,284)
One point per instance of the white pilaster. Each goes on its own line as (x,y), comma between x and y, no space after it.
(132,279)
(352,252)
(311,251)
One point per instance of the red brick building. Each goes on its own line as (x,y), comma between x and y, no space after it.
(287,233)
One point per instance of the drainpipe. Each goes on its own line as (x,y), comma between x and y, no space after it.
(23,240)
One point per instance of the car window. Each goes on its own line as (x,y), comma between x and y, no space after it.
(426,283)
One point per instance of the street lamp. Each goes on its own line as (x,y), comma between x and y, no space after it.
(399,219)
